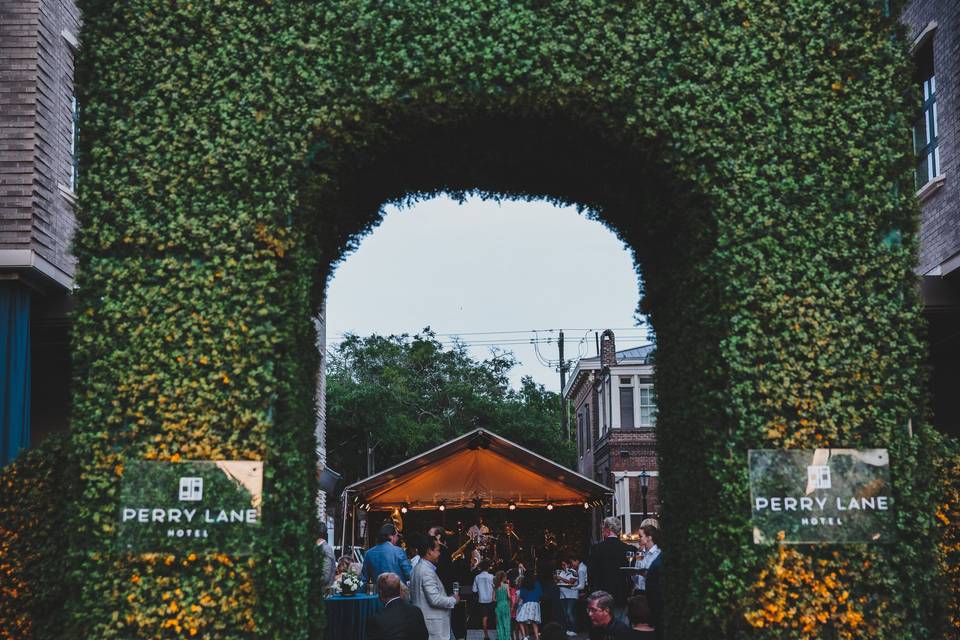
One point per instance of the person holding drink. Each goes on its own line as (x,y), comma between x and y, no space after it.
(649,551)
(427,592)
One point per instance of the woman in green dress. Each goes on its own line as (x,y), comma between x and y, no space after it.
(502,590)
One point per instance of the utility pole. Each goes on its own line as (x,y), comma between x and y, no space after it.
(565,423)
(370,459)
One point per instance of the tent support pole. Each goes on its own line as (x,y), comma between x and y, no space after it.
(343,538)
(353,529)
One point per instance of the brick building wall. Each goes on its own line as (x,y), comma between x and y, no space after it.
(940,224)
(939,260)
(636,450)
(584,400)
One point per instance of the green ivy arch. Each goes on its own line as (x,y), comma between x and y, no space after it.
(752,153)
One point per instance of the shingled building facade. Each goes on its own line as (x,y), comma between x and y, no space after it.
(38,177)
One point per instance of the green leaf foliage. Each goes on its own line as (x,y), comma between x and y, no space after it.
(402,395)
(754,154)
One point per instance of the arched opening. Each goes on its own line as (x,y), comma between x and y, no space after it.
(627,187)
(528,287)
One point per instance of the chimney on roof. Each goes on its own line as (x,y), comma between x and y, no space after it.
(608,349)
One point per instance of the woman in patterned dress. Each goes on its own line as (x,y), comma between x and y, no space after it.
(528,613)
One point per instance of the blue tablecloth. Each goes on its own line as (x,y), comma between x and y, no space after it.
(347,616)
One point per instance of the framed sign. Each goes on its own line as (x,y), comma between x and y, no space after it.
(820,495)
(208,505)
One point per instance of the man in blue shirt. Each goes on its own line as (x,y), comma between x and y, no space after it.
(386,557)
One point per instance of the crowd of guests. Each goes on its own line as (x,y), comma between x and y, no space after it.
(419,590)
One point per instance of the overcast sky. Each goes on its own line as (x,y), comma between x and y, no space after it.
(484,267)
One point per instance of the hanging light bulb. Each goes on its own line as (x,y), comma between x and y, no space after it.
(586,505)
(549,506)
(512,506)
(442,506)
(404,508)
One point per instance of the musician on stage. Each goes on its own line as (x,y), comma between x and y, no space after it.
(510,546)
(478,530)
(444,564)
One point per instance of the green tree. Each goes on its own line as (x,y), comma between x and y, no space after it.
(403,395)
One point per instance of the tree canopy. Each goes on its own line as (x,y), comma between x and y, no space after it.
(405,394)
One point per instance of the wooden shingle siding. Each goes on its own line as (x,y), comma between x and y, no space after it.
(36,86)
(19,21)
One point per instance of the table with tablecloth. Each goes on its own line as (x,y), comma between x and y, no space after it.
(347,616)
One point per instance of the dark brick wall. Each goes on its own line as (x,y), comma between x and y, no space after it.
(636,450)
(36,84)
(585,396)
(940,226)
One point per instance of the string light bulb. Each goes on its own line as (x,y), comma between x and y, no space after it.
(512,506)
(549,506)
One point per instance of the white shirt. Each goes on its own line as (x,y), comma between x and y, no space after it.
(569,590)
(476,531)
(651,555)
(483,587)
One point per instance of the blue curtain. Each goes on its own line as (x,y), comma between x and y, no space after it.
(14,370)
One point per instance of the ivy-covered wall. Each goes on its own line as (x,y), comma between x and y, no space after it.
(755,154)
(36,494)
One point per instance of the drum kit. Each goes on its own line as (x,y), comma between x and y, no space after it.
(485,546)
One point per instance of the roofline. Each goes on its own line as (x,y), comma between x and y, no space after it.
(593,364)
(448,443)
(599,488)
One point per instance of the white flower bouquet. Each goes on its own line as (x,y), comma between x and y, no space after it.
(347,583)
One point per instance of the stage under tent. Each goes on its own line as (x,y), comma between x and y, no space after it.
(477,474)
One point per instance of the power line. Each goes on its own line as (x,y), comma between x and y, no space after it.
(580,342)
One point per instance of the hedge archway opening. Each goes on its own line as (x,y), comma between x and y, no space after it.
(753,154)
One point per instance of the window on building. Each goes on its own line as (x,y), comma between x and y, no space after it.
(626,407)
(586,427)
(925,130)
(648,407)
(74,139)
(581,436)
(603,401)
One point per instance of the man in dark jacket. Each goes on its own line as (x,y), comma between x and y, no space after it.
(655,594)
(398,620)
(603,626)
(606,558)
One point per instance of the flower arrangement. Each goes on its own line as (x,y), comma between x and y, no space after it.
(347,583)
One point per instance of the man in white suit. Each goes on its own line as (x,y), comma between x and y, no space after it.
(426,591)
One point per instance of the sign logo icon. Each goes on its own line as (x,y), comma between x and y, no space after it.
(191,489)
(818,476)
